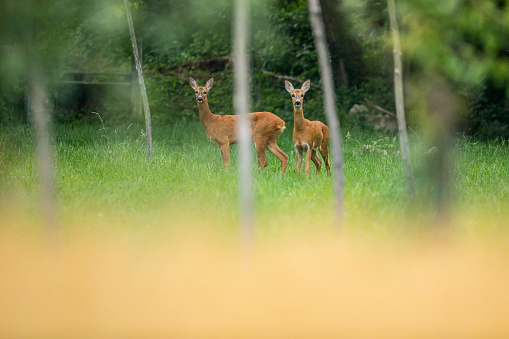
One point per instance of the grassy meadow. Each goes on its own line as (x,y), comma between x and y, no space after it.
(151,248)
(102,172)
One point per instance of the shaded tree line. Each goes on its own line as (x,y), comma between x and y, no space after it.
(464,42)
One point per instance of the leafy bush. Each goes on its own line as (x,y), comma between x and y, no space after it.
(489,112)
(283,42)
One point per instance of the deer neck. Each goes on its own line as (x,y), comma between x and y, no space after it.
(298,117)
(205,113)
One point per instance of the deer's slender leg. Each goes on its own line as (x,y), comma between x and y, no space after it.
(308,162)
(225,152)
(260,152)
(325,156)
(299,159)
(274,149)
(316,161)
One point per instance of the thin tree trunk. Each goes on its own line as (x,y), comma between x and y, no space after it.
(316,19)
(141,81)
(136,108)
(242,107)
(39,115)
(400,105)
(38,98)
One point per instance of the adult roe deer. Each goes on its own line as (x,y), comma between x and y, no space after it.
(308,136)
(221,129)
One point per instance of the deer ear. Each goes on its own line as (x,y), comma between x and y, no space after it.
(192,83)
(306,85)
(209,84)
(288,86)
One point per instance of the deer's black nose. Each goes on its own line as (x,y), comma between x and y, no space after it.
(200,99)
(297,103)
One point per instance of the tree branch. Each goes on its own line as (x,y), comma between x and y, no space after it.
(286,77)
(381,109)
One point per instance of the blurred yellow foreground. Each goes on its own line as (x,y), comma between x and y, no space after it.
(99,284)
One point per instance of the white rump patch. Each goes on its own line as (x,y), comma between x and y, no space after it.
(304,147)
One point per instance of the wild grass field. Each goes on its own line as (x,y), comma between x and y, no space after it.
(102,171)
(152,248)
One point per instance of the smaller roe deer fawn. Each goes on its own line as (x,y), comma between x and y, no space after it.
(308,135)
(221,129)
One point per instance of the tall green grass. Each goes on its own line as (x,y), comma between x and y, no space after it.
(103,175)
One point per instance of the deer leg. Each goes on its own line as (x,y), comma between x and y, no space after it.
(316,161)
(274,149)
(299,160)
(325,156)
(260,152)
(308,162)
(225,152)
(324,149)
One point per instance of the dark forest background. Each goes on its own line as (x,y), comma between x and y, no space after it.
(462,44)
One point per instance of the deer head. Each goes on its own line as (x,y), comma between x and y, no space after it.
(297,94)
(201,92)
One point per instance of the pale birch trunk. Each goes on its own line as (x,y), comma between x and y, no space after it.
(38,98)
(242,108)
(316,19)
(141,81)
(400,103)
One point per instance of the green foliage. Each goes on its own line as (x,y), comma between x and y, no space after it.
(99,39)
(465,42)
(377,90)
(282,40)
(12,100)
(370,24)
(175,32)
(489,112)
(54,36)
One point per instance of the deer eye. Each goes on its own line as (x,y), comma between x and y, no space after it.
(293,95)
(196,92)
(204,92)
